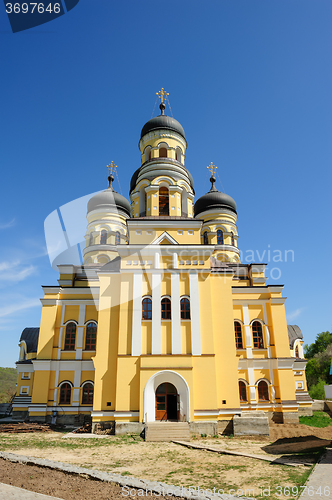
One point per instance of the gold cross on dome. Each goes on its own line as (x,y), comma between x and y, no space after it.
(111,167)
(212,168)
(162,94)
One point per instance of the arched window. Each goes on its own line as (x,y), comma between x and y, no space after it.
(65,394)
(257,335)
(91,239)
(232,239)
(178,154)
(263,391)
(148,153)
(90,336)
(117,238)
(103,237)
(70,337)
(242,391)
(163,201)
(162,153)
(147,308)
(185,308)
(87,394)
(205,238)
(165,308)
(220,237)
(238,335)
(297,354)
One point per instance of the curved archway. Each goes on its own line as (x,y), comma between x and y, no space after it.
(149,396)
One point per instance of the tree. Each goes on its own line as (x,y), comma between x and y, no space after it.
(323,340)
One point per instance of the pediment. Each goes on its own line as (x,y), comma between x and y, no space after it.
(165,239)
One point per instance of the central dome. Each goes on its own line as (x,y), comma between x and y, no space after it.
(162,122)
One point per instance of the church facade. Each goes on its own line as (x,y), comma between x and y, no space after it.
(162,321)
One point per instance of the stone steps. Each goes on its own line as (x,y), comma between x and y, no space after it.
(167,431)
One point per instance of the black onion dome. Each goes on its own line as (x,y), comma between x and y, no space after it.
(162,122)
(214,200)
(109,199)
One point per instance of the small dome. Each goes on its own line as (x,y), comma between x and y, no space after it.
(109,199)
(214,200)
(162,122)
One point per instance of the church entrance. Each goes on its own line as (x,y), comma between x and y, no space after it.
(167,402)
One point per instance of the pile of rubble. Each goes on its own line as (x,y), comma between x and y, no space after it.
(13,428)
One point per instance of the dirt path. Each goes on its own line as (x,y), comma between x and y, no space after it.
(58,484)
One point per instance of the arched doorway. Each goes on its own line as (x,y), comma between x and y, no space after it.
(167,402)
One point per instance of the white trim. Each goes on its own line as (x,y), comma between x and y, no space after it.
(51,289)
(102,414)
(64,365)
(126,414)
(196,349)
(150,390)
(156,314)
(136,340)
(163,236)
(176,313)
(278,300)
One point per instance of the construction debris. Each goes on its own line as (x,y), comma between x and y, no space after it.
(22,427)
(85,429)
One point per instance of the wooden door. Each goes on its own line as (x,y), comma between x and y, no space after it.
(161,407)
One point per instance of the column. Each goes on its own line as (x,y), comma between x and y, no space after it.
(80,332)
(176,313)
(136,340)
(156,313)
(195,323)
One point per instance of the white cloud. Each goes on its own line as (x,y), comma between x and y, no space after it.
(18,306)
(294,314)
(8,224)
(13,272)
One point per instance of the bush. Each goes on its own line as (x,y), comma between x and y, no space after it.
(316,391)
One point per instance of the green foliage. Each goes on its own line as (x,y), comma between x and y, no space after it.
(8,379)
(318,419)
(323,340)
(317,371)
(316,391)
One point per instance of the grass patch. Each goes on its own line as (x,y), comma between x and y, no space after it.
(318,419)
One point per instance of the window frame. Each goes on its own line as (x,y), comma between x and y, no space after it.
(65,393)
(238,335)
(184,313)
(148,311)
(243,390)
(220,233)
(117,239)
(166,313)
(69,343)
(205,238)
(263,383)
(257,337)
(87,402)
(103,237)
(87,346)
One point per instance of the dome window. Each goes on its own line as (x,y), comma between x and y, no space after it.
(232,239)
(178,154)
(148,153)
(90,239)
(103,237)
(220,237)
(162,153)
(163,201)
(205,238)
(117,238)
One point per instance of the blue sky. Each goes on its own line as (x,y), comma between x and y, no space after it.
(249,80)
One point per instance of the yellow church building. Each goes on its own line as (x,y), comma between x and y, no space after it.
(162,322)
